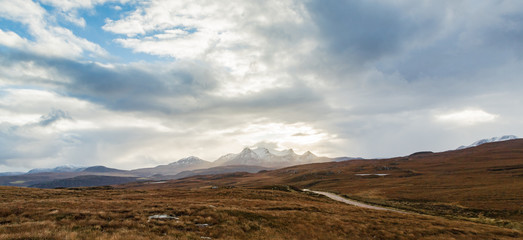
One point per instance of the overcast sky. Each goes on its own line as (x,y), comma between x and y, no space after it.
(132,84)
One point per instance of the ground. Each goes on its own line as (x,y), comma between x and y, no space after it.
(205,213)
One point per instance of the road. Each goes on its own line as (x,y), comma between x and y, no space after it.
(352,202)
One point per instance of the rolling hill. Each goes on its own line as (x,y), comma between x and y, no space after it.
(483,183)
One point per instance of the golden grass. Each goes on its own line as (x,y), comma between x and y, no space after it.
(482,184)
(237,213)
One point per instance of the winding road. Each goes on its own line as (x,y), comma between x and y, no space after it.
(352,202)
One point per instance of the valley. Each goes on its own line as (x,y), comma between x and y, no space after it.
(470,193)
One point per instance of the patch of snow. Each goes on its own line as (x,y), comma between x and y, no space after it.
(192,160)
(489,140)
(261,156)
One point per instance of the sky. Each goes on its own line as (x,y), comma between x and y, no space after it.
(131,84)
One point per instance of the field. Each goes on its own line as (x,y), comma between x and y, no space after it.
(474,193)
(237,213)
(482,184)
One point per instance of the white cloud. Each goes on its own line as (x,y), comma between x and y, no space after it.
(24,11)
(251,45)
(68,5)
(235,73)
(49,39)
(12,40)
(68,9)
(467,117)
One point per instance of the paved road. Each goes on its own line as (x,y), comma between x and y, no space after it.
(352,202)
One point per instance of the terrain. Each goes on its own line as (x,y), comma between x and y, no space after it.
(268,212)
(470,193)
(481,184)
(248,160)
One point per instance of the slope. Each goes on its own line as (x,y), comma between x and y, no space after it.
(483,183)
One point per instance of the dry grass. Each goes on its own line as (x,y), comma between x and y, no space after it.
(237,213)
(483,184)
(473,194)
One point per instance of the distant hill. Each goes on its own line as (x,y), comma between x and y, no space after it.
(219,170)
(59,169)
(10,173)
(102,169)
(248,160)
(489,140)
(184,164)
(474,182)
(84,181)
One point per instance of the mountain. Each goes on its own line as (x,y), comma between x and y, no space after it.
(85,181)
(102,169)
(188,161)
(489,140)
(248,160)
(184,164)
(10,173)
(219,170)
(491,175)
(268,158)
(59,169)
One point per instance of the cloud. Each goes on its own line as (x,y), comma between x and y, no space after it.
(32,142)
(252,48)
(11,39)
(356,78)
(54,116)
(467,117)
(49,39)
(68,5)
(362,31)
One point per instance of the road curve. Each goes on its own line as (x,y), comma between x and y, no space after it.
(352,202)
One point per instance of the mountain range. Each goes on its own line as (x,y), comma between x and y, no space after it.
(248,160)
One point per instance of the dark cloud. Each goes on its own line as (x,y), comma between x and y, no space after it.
(26,142)
(374,73)
(507,36)
(362,31)
(53,116)
(139,87)
(171,89)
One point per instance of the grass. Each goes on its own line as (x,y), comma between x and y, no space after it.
(474,193)
(482,184)
(238,213)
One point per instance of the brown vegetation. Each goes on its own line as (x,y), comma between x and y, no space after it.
(471,194)
(482,184)
(276,212)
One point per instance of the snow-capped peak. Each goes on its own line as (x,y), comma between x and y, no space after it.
(489,140)
(262,152)
(287,152)
(268,158)
(63,168)
(192,160)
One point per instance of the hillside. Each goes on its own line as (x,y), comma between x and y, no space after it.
(473,193)
(218,170)
(85,181)
(248,160)
(483,183)
(206,213)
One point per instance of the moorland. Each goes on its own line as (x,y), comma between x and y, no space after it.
(473,193)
